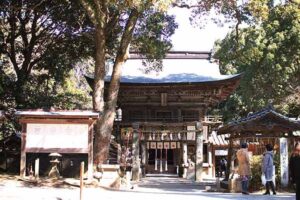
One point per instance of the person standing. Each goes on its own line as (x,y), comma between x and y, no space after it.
(268,170)
(244,167)
(294,166)
(224,166)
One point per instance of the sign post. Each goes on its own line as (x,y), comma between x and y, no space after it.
(81,178)
(284,162)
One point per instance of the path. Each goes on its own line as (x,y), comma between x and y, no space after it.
(150,188)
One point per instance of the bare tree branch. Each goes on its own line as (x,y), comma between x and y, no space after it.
(184,5)
(121,57)
(90,11)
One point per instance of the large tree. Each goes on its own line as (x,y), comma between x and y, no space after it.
(268,55)
(122,22)
(119,24)
(40,41)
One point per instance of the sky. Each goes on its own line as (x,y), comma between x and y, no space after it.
(186,38)
(191,38)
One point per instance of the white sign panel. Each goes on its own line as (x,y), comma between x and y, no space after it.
(57,136)
(191,135)
(221,152)
(284,162)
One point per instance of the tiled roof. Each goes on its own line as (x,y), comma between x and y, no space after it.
(266,120)
(171,79)
(175,78)
(218,140)
(57,113)
(262,113)
(221,140)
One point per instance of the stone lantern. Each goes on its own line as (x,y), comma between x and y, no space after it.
(54,172)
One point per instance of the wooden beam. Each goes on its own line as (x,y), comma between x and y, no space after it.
(58,150)
(90,152)
(23,152)
(229,158)
(202,55)
(56,121)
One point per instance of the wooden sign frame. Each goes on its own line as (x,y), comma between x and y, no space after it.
(59,119)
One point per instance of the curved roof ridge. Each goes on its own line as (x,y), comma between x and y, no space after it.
(172,78)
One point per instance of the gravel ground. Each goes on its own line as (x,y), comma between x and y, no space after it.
(154,188)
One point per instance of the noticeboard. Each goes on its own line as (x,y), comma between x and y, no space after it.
(57,136)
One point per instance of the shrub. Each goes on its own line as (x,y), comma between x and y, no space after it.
(255,182)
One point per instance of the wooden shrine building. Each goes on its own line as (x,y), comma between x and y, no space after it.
(164,116)
(267,127)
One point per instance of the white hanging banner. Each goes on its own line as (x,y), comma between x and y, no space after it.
(159,145)
(173,145)
(153,145)
(166,145)
(284,161)
(191,135)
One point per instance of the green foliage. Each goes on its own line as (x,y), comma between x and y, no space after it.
(234,12)
(40,43)
(268,56)
(255,182)
(152,38)
(9,124)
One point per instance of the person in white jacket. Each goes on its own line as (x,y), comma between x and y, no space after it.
(268,170)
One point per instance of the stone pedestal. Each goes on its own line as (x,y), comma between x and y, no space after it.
(185,163)
(110,175)
(199,156)
(135,153)
(235,185)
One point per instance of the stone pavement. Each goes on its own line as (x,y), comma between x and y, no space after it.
(150,188)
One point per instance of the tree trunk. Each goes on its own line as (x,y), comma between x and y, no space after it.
(19,93)
(106,121)
(102,137)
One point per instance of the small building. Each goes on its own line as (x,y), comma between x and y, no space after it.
(68,133)
(264,127)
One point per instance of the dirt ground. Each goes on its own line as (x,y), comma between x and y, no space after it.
(45,182)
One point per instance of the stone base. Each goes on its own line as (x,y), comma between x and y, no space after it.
(235,185)
(110,176)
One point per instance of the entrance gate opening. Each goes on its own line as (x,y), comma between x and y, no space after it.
(161,161)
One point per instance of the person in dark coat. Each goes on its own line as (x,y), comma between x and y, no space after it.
(294,166)
(268,170)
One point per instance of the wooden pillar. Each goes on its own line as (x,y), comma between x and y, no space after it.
(179,152)
(184,156)
(199,156)
(160,161)
(213,161)
(36,168)
(179,115)
(210,165)
(155,158)
(90,152)
(23,151)
(135,153)
(166,161)
(229,158)
(144,153)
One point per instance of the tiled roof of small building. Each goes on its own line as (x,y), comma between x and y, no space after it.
(264,121)
(58,113)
